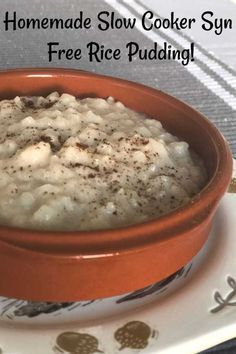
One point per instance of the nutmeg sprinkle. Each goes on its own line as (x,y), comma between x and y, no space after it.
(84,164)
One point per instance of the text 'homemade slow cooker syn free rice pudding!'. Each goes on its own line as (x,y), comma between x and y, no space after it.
(84,164)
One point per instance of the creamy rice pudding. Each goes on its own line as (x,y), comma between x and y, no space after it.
(84,164)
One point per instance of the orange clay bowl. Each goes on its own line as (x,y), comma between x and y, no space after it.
(72,266)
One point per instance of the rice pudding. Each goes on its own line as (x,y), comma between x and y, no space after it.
(84,164)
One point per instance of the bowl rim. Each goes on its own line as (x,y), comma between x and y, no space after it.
(104,243)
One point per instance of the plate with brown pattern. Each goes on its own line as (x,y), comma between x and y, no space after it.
(191,310)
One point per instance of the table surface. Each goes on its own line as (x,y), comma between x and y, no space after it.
(208,83)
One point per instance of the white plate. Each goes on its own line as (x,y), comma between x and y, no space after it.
(198,314)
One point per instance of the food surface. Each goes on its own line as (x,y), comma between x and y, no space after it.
(85,164)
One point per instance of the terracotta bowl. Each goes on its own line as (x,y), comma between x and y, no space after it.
(72,266)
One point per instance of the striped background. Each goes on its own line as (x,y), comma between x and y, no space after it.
(208,84)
